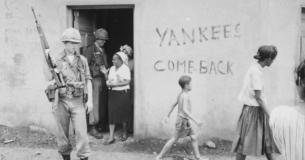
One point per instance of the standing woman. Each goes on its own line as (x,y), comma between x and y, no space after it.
(129,52)
(255,137)
(119,106)
(288,122)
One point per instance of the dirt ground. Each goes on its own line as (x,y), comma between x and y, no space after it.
(24,143)
(153,145)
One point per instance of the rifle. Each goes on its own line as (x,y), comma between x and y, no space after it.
(59,82)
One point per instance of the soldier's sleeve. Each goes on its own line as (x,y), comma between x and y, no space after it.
(105,59)
(87,70)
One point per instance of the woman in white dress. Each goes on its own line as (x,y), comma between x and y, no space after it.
(288,122)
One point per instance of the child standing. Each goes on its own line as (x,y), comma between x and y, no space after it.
(183,127)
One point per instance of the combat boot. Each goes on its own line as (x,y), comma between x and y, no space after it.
(84,158)
(66,157)
(93,132)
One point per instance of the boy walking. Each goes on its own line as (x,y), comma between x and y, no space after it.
(183,127)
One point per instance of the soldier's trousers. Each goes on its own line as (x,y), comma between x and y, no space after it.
(72,110)
(97,86)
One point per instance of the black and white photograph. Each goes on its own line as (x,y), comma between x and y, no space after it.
(152,80)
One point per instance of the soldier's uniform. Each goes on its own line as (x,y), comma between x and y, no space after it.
(71,106)
(97,57)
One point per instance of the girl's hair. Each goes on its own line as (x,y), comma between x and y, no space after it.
(183,80)
(127,49)
(265,52)
(300,78)
(300,74)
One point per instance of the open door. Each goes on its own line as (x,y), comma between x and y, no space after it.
(117,20)
(85,22)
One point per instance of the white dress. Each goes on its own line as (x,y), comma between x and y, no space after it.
(288,126)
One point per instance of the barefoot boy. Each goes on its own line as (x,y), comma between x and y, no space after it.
(183,127)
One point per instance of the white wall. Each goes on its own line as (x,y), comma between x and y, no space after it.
(157,23)
(22,83)
(214,94)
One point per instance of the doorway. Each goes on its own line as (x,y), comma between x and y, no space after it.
(118,21)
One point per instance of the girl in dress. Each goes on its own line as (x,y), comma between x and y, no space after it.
(255,137)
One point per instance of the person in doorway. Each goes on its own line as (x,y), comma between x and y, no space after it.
(183,127)
(118,80)
(288,122)
(255,136)
(70,100)
(97,59)
(129,52)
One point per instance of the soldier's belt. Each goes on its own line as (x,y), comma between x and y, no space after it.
(71,89)
(76,84)
(74,89)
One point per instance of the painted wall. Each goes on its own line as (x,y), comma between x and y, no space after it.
(214,42)
(211,40)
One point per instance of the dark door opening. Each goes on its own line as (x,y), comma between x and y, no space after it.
(302,36)
(117,21)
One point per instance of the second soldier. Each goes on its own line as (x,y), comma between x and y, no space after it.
(97,59)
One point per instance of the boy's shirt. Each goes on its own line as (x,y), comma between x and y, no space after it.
(183,104)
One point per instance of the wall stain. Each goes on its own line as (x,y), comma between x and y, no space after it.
(13,75)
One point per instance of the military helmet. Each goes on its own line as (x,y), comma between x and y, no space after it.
(71,35)
(101,33)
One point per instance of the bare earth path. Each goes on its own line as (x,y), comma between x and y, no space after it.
(26,143)
(10,153)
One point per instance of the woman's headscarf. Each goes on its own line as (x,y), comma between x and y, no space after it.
(123,56)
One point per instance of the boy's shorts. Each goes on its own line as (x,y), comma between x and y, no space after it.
(183,127)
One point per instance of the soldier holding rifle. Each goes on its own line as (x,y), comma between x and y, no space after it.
(70,92)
